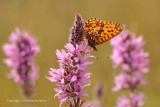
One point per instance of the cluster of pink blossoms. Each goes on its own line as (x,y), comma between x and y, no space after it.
(21,52)
(72,77)
(130,56)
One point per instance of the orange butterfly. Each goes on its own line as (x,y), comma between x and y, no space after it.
(97,32)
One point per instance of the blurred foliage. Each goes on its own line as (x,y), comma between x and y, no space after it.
(50,21)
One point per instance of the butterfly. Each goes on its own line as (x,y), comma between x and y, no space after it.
(97,32)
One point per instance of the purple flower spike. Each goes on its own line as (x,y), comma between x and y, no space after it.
(128,54)
(21,52)
(71,77)
(77,31)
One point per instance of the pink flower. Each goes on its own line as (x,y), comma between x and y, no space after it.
(71,77)
(124,81)
(133,101)
(123,101)
(128,54)
(21,52)
(72,73)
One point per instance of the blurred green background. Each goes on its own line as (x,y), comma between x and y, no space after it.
(50,21)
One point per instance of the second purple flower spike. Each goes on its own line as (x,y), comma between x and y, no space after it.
(21,52)
(128,53)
